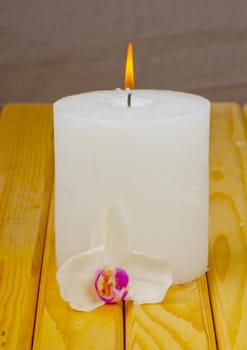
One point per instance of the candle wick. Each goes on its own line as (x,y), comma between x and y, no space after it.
(129,100)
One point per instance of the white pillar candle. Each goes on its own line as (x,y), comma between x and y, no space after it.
(151,160)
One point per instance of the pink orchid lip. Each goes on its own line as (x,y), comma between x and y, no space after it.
(111,284)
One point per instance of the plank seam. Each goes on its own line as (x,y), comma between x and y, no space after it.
(124,325)
(42,261)
(212,313)
(244,118)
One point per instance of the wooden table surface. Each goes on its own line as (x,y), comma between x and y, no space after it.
(206,314)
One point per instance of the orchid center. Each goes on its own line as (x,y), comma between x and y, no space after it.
(111,284)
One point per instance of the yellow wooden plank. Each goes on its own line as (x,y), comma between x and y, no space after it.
(58,327)
(181,322)
(25,186)
(228,226)
(245,111)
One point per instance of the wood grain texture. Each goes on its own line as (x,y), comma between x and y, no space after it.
(182,321)
(58,327)
(25,184)
(228,226)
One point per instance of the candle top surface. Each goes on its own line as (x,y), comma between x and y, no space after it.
(146,105)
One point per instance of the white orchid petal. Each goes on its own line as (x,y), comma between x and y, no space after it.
(116,238)
(76,279)
(150,277)
(98,228)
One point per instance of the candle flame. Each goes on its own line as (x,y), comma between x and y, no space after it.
(129,81)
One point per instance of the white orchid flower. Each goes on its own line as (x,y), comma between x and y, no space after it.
(109,272)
